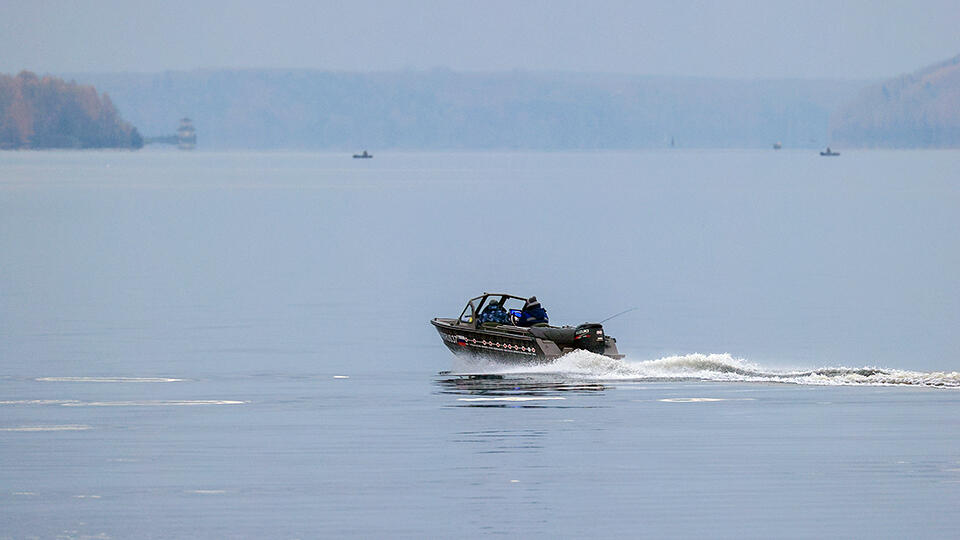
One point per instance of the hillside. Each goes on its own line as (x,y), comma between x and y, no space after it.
(921,109)
(442,109)
(51,113)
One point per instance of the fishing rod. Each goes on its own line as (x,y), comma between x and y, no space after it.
(619,314)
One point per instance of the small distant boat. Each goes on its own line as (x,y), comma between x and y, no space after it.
(829,152)
(777,145)
(364,155)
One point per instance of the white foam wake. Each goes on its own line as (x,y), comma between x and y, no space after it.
(719,367)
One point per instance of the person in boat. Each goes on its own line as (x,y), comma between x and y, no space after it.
(532,313)
(494,313)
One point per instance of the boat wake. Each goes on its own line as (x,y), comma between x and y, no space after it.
(585,365)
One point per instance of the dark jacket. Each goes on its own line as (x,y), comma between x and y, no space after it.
(494,313)
(532,315)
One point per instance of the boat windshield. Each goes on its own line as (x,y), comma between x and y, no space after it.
(511,305)
(507,305)
(469,312)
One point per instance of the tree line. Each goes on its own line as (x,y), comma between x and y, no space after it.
(917,110)
(49,112)
(448,110)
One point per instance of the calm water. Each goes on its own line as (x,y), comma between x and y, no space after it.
(237,345)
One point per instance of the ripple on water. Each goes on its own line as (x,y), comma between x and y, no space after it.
(109,379)
(154,403)
(73,427)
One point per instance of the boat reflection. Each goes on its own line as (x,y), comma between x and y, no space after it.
(500,441)
(514,391)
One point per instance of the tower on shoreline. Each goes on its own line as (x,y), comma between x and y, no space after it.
(186,135)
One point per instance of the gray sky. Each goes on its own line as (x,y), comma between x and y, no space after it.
(770,39)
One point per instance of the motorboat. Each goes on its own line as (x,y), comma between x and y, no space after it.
(508,340)
(829,152)
(364,155)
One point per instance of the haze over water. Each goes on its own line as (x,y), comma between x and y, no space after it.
(237,345)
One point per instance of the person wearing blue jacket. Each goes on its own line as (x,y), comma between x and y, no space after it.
(532,313)
(494,313)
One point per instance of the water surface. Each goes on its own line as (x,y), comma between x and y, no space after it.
(236,345)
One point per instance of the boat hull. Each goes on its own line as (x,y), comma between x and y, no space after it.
(507,344)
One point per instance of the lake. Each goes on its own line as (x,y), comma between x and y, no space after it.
(237,345)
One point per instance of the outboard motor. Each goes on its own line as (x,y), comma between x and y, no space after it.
(589,336)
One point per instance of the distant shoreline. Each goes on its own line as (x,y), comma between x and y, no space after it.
(443,109)
(48,112)
(433,110)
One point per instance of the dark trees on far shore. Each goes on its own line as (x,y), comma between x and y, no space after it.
(51,113)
